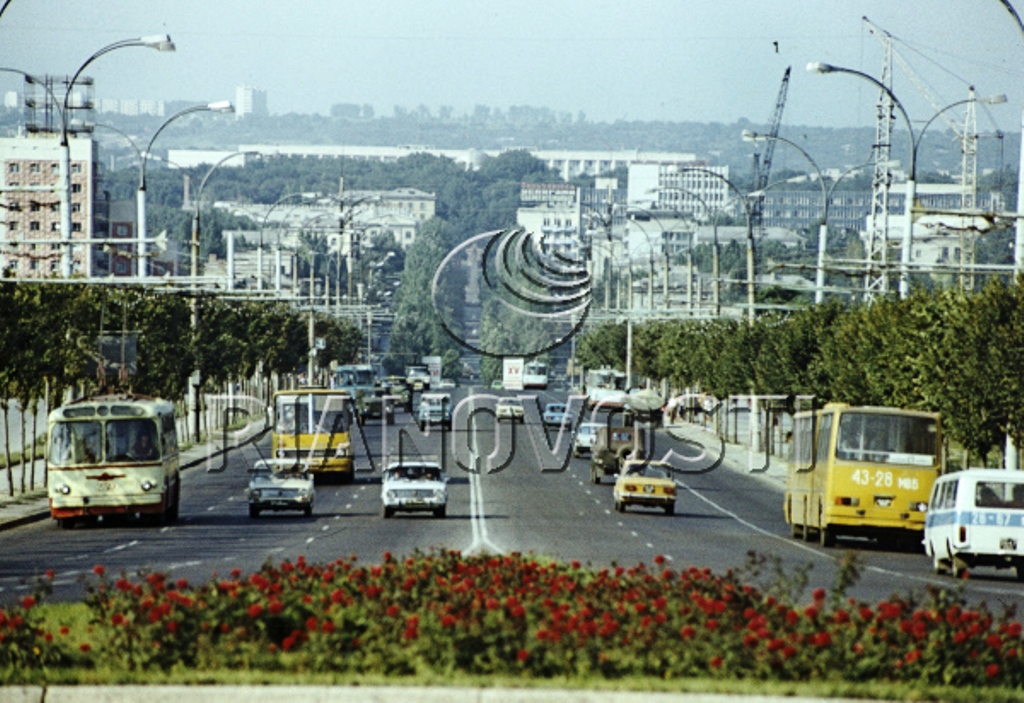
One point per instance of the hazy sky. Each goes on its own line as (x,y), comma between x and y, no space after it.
(679,60)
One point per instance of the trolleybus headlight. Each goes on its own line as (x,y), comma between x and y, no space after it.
(342,450)
(148,485)
(64,488)
(280,454)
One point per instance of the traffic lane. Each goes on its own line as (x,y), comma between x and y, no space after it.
(755,501)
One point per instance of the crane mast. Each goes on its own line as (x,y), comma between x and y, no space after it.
(763,166)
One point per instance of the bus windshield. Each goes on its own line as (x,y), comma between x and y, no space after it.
(295,414)
(887,439)
(349,377)
(86,442)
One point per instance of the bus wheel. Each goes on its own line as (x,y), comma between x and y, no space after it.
(827,536)
(797,531)
(65,523)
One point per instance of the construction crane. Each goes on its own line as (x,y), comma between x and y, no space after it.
(966,133)
(763,166)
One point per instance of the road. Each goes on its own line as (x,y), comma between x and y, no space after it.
(722,516)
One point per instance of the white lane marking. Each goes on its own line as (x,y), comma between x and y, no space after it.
(325,528)
(477,518)
(752,526)
(310,539)
(121,547)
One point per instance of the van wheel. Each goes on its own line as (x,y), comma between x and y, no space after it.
(940,565)
(1019,566)
(959,567)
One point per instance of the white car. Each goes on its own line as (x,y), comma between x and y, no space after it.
(414,486)
(280,484)
(584,440)
(509,409)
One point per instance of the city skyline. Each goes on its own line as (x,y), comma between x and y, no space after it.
(649,61)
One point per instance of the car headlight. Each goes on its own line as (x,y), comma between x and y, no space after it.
(390,495)
(439,494)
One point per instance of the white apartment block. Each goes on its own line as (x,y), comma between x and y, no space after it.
(250,100)
(30,231)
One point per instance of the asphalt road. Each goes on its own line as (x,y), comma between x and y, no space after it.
(722,516)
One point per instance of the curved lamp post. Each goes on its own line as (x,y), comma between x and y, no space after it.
(160,42)
(277,253)
(143,266)
(744,198)
(650,247)
(195,215)
(819,278)
(911,194)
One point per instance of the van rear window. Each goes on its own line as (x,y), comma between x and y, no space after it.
(999,494)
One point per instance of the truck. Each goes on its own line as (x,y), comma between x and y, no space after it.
(359,381)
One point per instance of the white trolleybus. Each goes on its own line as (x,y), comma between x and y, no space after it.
(113,455)
(535,375)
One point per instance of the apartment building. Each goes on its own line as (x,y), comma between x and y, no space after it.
(30,231)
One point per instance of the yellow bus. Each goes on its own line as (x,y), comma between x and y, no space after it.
(312,425)
(862,471)
(113,455)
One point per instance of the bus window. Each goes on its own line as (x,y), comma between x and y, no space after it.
(884,438)
(824,438)
(75,443)
(131,440)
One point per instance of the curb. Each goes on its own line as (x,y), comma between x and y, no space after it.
(366,694)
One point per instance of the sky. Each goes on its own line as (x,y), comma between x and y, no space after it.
(674,60)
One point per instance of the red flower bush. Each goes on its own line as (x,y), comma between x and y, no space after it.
(512,614)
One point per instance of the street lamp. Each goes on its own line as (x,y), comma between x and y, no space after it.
(221,106)
(195,215)
(650,280)
(819,278)
(911,193)
(277,253)
(160,42)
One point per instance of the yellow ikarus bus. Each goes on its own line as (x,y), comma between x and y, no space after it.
(862,471)
(311,425)
(113,455)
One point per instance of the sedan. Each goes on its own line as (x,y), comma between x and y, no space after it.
(646,483)
(280,484)
(554,414)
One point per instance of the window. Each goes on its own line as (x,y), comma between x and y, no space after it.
(76,187)
(34,168)
(76,168)
(13,168)
(34,206)
(34,226)
(12,225)
(54,226)
(54,168)
(76,227)
(76,207)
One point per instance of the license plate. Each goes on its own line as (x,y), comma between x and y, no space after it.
(648,489)
(883,502)
(1008,543)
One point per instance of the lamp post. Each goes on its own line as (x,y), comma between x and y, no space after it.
(715,250)
(744,199)
(160,42)
(650,273)
(143,266)
(819,278)
(259,251)
(906,254)
(195,215)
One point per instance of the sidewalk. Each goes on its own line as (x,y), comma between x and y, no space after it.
(736,457)
(23,508)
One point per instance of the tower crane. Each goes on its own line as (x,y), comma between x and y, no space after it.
(763,166)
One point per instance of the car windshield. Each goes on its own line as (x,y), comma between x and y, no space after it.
(511,402)
(556,408)
(415,472)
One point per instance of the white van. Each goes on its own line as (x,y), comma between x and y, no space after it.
(976,518)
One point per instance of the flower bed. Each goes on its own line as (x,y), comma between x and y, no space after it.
(445,612)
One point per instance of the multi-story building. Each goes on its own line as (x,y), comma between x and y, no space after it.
(250,100)
(30,200)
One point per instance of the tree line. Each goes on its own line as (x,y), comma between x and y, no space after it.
(946,351)
(50,332)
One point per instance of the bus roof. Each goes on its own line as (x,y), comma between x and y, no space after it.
(116,405)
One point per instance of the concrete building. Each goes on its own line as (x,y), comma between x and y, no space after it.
(30,204)
(250,100)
